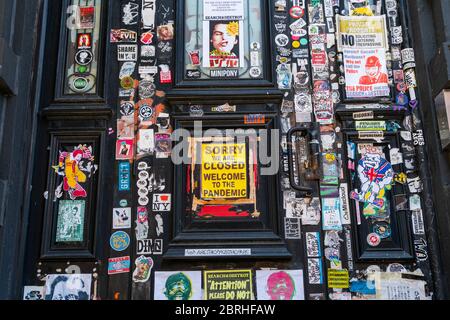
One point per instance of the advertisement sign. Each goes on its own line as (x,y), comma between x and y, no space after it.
(360,32)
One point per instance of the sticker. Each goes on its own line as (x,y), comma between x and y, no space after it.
(148,14)
(130,12)
(125,149)
(163,145)
(313,244)
(142,227)
(70,222)
(312,214)
(280,285)
(127,52)
(255,119)
(150,247)
(119,241)
(370,125)
(315,271)
(292,228)
(282,40)
(124,176)
(121,218)
(383,229)
(81,84)
(373,239)
(165,32)
(363,115)
(33,293)
(296,12)
(86,18)
(119,265)
(144,267)
(331,215)
(395,156)
(162,202)
(68,287)
(338,279)
(84,41)
(178,285)
(122,36)
(228,285)
(417,222)
(146,142)
(396,267)
(84,57)
(344,204)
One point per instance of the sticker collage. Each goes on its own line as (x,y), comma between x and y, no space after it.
(344,65)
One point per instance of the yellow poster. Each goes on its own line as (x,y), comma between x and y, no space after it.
(224,171)
(338,279)
(361,32)
(228,285)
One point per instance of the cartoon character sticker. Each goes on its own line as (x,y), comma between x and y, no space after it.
(182,285)
(376,176)
(75,167)
(280,285)
(143,269)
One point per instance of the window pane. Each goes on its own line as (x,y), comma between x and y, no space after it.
(220,45)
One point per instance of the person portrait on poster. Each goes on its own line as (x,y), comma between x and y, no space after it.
(70,224)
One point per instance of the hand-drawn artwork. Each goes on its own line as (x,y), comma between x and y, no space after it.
(143,269)
(280,285)
(182,285)
(33,293)
(68,287)
(377,177)
(70,223)
(121,218)
(76,167)
(159,225)
(142,223)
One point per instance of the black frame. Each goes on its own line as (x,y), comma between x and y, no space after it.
(403,249)
(268,68)
(49,248)
(265,242)
(61,69)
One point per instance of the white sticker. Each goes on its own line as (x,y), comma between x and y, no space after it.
(344,204)
(127,52)
(417,222)
(148,13)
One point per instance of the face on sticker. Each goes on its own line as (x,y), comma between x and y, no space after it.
(280,286)
(221,38)
(178,287)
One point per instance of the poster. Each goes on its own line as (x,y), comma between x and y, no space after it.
(223,10)
(32,293)
(224,171)
(70,223)
(338,279)
(178,285)
(223,47)
(280,285)
(362,32)
(366,74)
(397,286)
(68,287)
(228,285)
(331,214)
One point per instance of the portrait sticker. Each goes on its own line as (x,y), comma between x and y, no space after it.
(279,285)
(178,285)
(68,287)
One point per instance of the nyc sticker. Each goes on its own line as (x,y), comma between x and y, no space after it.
(162,202)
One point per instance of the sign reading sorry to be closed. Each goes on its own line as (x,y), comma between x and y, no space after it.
(224,171)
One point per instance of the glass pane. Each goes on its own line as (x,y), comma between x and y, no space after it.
(223,41)
(82,47)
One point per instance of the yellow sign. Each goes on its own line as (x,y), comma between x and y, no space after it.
(228,285)
(224,171)
(361,32)
(338,279)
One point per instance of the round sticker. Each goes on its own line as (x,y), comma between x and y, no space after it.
(255,72)
(402,99)
(373,268)
(401,87)
(143,201)
(81,84)
(296,12)
(141,183)
(373,239)
(145,112)
(383,229)
(123,203)
(126,108)
(295,44)
(396,267)
(119,241)
(83,57)
(127,83)
(143,175)
(282,40)
(142,166)
(143,192)
(147,89)
(303,41)
(255,46)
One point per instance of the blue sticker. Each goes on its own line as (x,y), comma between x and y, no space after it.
(364,287)
(124,176)
(119,241)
